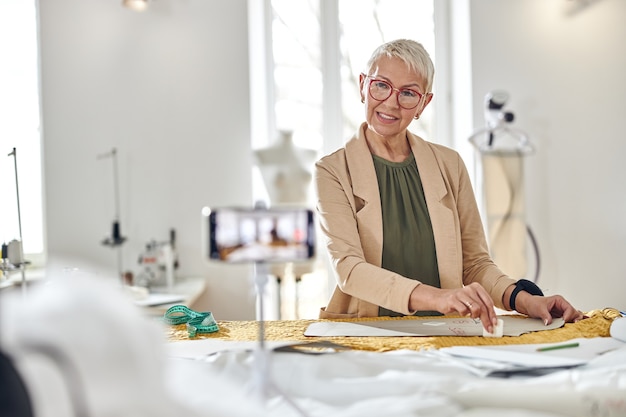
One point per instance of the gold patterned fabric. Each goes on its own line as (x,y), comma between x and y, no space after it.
(597,324)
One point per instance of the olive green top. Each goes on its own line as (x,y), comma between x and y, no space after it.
(408,240)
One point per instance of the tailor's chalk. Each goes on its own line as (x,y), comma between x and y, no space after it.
(498,330)
(555,347)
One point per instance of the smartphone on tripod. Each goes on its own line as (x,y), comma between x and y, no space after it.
(260,235)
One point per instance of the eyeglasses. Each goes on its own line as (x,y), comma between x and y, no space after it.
(381,90)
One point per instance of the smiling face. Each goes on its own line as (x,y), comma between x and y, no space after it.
(386,118)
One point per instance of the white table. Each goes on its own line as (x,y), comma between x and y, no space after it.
(158,299)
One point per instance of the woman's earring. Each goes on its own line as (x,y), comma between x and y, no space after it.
(362,99)
(417,116)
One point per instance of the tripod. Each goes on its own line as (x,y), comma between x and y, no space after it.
(263,385)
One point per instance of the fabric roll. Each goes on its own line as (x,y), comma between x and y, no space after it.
(504,200)
(15,254)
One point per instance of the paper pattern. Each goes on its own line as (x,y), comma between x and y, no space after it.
(444,326)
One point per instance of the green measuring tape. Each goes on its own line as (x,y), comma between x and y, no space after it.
(197,322)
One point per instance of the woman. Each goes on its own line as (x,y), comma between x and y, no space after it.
(402,226)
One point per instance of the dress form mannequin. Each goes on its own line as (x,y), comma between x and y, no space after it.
(287,173)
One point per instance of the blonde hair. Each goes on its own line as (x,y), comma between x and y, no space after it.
(412,53)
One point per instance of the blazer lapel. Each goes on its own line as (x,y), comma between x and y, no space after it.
(366,196)
(441,216)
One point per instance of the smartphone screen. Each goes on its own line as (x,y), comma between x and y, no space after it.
(261,235)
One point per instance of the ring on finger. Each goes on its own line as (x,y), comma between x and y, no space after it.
(468,304)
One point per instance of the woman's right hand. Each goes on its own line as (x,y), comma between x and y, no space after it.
(471,300)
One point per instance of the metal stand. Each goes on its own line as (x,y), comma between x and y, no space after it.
(262,380)
(21,265)
(116,239)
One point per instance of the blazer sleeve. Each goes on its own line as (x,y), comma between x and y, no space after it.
(478,265)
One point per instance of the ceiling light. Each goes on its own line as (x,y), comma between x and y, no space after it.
(137,5)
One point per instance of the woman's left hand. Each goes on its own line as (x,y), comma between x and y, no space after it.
(546,308)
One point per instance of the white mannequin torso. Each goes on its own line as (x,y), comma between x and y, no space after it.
(286,170)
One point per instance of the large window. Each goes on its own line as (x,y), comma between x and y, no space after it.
(20,128)
(305,80)
(367,24)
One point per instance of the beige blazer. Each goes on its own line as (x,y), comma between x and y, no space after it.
(350,218)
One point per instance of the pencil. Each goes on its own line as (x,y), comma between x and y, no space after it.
(555,347)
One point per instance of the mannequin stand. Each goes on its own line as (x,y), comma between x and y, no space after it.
(288,278)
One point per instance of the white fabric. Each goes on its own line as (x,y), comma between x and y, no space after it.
(125,368)
(399,383)
(78,338)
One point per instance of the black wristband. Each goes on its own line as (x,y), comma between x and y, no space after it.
(524,285)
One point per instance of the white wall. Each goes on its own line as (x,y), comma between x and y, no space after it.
(565,74)
(169,89)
